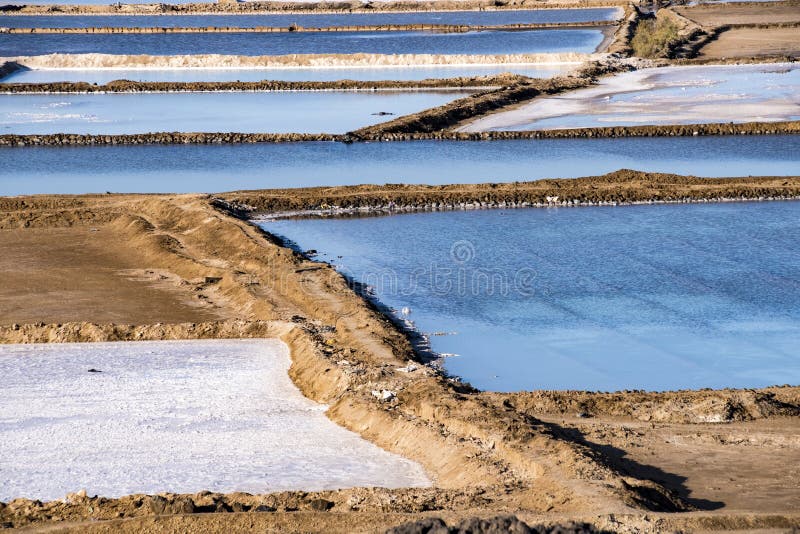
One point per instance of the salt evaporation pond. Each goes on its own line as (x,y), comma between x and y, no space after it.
(411,72)
(330,112)
(668,95)
(610,298)
(173,416)
(258,44)
(214,168)
(310,20)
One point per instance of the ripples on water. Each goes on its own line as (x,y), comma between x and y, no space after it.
(636,297)
(257,44)
(272,112)
(213,168)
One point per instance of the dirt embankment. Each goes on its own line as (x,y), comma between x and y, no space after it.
(439,28)
(737,30)
(485,454)
(623,186)
(691,407)
(127,86)
(258,7)
(204,138)
(481,454)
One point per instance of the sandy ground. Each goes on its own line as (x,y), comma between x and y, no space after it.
(486,453)
(748,42)
(86,273)
(742,466)
(732,13)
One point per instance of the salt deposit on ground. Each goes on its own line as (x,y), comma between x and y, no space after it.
(178,416)
(670,95)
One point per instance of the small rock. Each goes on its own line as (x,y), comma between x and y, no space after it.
(264,508)
(410,368)
(384,394)
(182,505)
(157,504)
(321,505)
(93,370)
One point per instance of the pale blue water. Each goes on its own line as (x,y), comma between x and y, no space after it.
(213,168)
(101,76)
(330,112)
(637,297)
(470,18)
(258,44)
(676,95)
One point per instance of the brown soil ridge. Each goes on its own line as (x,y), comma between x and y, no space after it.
(485,454)
(180,138)
(478,452)
(127,86)
(685,407)
(440,28)
(694,35)
(167,138)
(624,186)
(257,7)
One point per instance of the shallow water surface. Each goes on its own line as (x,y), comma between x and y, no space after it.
(330,112)
(670,95)
(175,416)
(258,44)
(611,298)
(471,18)
(101,76)
(214,168)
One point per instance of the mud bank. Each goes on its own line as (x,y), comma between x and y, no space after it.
(487,455)
(709,406)
(623,186)
(126,86)
(342,350)
(439,28)
(353,6)
(205,138)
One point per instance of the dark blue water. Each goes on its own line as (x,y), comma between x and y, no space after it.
(471,18)
(213,168)
(636,297)
(258,44)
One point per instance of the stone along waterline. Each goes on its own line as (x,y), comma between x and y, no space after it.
(635,297)
(298,74)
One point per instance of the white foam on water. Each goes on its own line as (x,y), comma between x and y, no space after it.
(218,61)
(177,416)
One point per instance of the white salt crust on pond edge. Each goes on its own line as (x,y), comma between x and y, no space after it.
(173,416)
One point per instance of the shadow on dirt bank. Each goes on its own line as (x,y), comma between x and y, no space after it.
(619,460)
